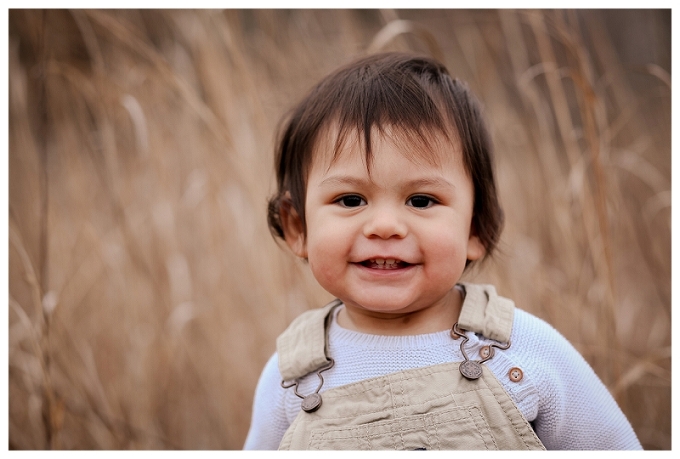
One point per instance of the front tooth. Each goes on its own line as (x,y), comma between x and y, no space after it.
(390,261)
(380,261)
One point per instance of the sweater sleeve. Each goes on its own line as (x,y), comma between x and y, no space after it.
(576,411)
(269,421)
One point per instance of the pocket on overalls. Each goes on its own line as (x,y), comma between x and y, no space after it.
(462,427)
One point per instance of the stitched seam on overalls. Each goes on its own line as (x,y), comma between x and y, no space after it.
(436,431)
(477,428)
(403,404)
(427,432)
(389,383)
(367,438)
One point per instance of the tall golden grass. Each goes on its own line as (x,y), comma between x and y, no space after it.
(145,291)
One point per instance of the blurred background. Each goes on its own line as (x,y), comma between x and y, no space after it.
(145,291)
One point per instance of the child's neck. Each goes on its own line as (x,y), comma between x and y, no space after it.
(438,317)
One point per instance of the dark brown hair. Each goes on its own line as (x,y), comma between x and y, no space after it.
(415,94)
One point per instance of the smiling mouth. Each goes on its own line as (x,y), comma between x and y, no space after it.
(384,263)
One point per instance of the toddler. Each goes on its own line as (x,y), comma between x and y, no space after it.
(386,187)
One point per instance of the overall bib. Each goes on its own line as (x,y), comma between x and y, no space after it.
(433,407)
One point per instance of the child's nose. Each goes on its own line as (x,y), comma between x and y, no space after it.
(385,222)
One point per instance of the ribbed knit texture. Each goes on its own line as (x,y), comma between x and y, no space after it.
(566,403)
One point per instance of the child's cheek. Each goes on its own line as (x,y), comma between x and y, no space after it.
(324,273)
(325,263)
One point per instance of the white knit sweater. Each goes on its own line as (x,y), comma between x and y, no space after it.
(566,403)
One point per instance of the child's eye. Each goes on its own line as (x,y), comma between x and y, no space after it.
(421,202)
(351,200)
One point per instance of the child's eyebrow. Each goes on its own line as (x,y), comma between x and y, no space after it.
(344,180)
(431,182)
(436,182)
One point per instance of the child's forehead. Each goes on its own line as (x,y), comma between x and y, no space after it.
(428,145)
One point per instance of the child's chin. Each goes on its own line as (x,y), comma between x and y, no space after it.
(380,306)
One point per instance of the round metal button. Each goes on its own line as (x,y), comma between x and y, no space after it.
(515,374)
(470,369)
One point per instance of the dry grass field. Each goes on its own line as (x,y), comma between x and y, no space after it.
(145,291)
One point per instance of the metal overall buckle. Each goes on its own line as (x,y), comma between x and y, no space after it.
(472,369)
(312,402)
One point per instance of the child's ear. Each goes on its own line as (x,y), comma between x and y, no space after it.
(475,248)
(293,230)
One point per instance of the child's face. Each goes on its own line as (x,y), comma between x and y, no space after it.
(394,241)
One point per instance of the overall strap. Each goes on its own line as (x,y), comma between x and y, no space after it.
(486,313)
(303,347)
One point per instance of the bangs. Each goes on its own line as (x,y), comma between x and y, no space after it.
(397,100)
(415,145)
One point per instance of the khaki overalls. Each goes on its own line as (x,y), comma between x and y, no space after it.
(432,407)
